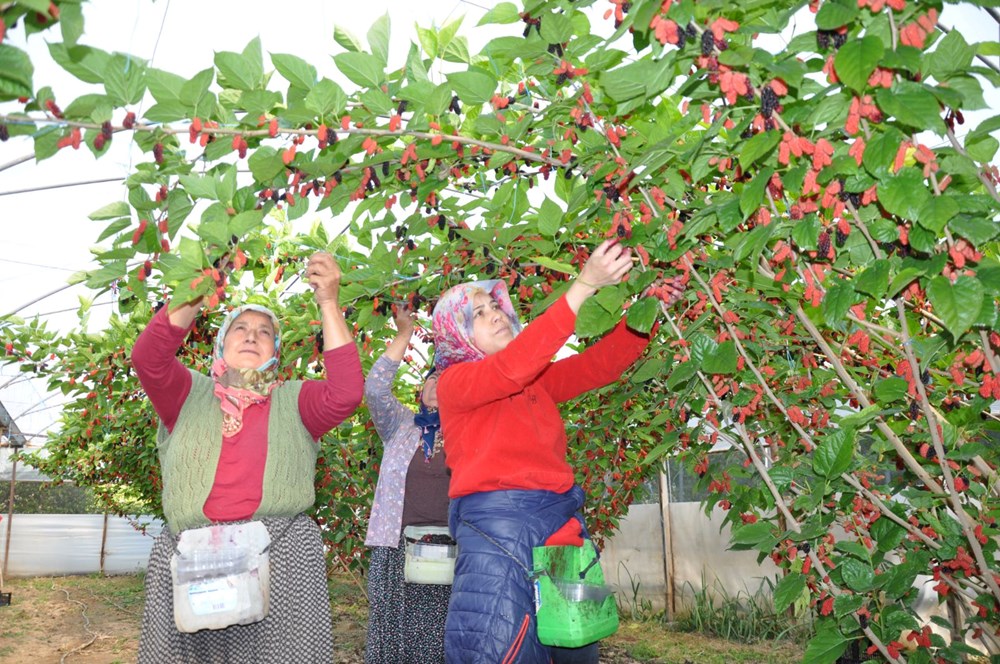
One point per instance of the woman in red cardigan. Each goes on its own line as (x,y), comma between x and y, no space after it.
(511,486)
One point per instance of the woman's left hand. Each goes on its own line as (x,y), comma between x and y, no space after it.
(323,275)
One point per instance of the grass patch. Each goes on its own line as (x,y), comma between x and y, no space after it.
(744,617)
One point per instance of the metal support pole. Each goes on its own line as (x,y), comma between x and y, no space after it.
(10,514)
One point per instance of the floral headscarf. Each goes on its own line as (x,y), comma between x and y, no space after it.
(452,321)
(239,388)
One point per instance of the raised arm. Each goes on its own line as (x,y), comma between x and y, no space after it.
(387,412)
(323,404)
(154,356)
(470,384)
(323,275)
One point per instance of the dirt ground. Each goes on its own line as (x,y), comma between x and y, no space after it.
(95,620)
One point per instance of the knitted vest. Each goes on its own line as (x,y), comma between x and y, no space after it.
(189,456)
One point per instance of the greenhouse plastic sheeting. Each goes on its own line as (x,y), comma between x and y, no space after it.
(57,544)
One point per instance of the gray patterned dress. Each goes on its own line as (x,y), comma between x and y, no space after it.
(405,620)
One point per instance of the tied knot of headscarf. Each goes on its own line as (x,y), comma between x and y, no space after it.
(429,422)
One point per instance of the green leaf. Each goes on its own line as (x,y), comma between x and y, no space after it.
(347,40)
(788,590)
(549,218)
(593,320)
(84,62)
(904,194)
(722,361)
(243,71)
(552,264)
(16,72)
(682,373)
(114,227)
(833,15)
(245,222)
(643,313)
(845,605)
(805,234)
(378,40)
(71,22)
(857,59)
(104,276)
(839,298)
(874,280)
(556,29)
(111,211)
(913,105)
(265,164)
(827,646)
(648,369)
(428,41)
(753,193)
(833,454)
(881,152)
(858,575)
(976,230)
(474,87)
(363,69)
(902,279)
(983,149)
(891,389)
(505,12)
(125,80)
(936,212)
(951,55)
(326,99)
(758,146)
(752,534)
(295,70)
(957,305)
(623,84)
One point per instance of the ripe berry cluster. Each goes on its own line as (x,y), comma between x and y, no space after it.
(823,245)
(707,42)
(768,101)
(101,139)
(436,539)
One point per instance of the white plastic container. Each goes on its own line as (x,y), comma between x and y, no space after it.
(221,576)
(427,562)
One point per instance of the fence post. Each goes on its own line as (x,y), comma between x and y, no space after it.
(104,540)
(668,542)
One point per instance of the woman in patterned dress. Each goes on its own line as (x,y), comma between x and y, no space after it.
(241,446)
(405,620)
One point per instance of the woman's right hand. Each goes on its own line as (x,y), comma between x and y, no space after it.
(607,266)
(405,319)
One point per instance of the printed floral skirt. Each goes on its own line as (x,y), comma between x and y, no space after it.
(405,620)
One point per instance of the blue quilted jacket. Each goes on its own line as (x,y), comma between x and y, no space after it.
(491,616)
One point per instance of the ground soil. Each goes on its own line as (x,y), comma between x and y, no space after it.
(95,620)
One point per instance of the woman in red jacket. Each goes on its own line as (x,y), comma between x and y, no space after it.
(511,486)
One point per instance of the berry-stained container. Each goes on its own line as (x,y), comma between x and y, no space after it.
(430,555)
(573,606)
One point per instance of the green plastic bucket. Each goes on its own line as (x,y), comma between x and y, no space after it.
(571,610)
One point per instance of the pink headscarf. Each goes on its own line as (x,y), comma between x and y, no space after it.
(452,321)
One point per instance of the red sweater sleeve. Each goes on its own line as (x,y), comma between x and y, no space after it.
(163,377)
(469,385)
(599,365)
(323,404)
